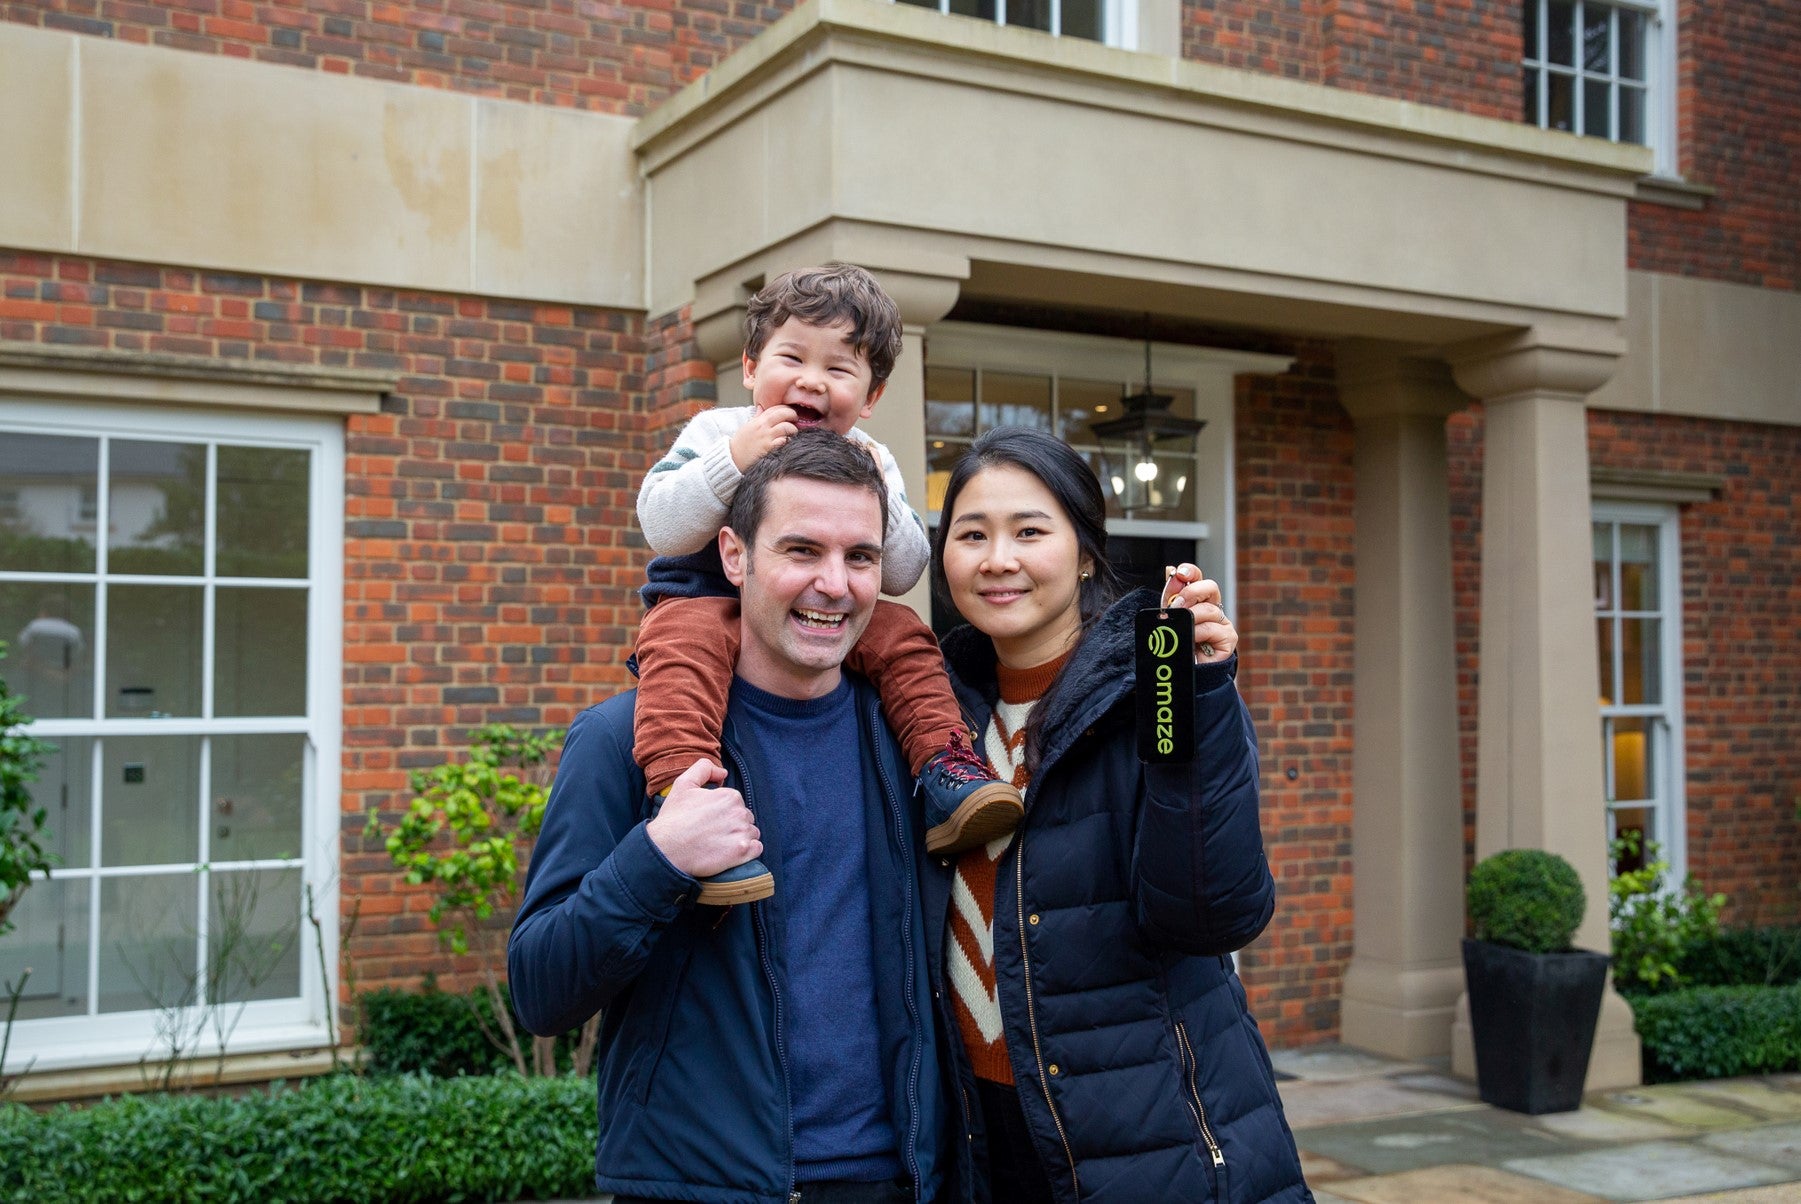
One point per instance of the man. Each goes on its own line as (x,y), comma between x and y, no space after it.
(778,1050)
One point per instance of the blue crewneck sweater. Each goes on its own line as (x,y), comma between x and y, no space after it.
(804,754)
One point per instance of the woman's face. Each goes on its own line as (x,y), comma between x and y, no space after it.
(1012,562)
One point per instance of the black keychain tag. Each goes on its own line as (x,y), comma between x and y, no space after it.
(1165,654)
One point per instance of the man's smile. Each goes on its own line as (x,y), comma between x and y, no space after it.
(818,619)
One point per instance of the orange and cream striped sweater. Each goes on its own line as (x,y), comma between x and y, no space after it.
(970,950)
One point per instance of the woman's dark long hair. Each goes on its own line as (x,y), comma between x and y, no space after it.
(1077,490)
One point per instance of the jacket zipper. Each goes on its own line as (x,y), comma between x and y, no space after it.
(1044,1084)
(775,994)
(1190,1063)
(889,797)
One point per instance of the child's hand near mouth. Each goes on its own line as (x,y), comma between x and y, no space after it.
(763,433)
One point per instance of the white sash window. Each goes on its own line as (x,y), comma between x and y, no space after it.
(170,583)
(1638,628)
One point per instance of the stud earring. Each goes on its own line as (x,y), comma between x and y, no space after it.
(1084,575)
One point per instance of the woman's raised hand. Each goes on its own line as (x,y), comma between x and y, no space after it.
(1214,636)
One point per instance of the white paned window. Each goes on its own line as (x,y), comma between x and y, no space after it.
(1097,20)
(1604,69)
(1638,631)
(170,585)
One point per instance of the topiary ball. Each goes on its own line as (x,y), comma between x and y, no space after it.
(1526,899)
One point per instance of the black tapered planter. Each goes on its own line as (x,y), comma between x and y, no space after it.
(1532,1017)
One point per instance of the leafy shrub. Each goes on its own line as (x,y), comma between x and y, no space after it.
(1656,929)
(396,1140)
(444,1035)
(1745,957)
(1526,899)
(462,836)
(429,1032)
(1719,1032)
(22,852)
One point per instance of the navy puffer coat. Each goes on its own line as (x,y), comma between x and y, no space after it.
(1142,1075)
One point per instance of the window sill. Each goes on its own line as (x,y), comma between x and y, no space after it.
(30,370)
(1673,191)
(1652,485)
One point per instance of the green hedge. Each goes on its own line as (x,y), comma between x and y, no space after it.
(1749,957)
(434,1032)
(1719,1032)
(429,1032)
(393,1140)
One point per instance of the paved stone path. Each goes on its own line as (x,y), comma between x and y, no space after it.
(1376,1131)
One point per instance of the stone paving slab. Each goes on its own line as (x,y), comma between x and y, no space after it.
(1308,1105)
(1786,1193)
(1443,1084)
(1335,1063)
(1601,1125)
(1458,1185)
(1690,1110)
(1482,1135)
(1755,1095)
(1317,1169)
(1779,1145)
(1654,1170)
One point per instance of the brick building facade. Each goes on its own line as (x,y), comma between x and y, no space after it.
(520,356)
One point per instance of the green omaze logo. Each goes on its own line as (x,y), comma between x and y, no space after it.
(1162,642)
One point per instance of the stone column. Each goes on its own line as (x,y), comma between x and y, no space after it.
(1539,777)
(1406,972)
(899,420)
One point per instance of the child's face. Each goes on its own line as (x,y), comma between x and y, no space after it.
(814,371)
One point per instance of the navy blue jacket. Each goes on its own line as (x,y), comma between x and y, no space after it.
(693,1088)
(1127,887)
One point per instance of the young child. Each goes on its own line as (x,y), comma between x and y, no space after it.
(819,345)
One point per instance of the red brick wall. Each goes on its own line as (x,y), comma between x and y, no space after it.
(1295,486)
(1277,39)
(1463,56)
(1741,587)
(1739,114)
(619,58)
(1458,56)
(491,551)
(1463,439)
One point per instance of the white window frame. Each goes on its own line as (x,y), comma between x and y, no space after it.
(1660,77)
(1210,372)
(1669,801)
(115,1038)
(1119,20)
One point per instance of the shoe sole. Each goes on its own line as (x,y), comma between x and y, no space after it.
(726,894)
(990,812)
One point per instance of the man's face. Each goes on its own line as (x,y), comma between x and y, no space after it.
(808,586)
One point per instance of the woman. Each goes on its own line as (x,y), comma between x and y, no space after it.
(1106,1050)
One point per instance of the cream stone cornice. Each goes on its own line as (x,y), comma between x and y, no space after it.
(903,38)
(39,373)
(1378,380)
(155,155)
(1529,363)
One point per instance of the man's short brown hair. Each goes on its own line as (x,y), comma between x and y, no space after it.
(832,294)
(814,454)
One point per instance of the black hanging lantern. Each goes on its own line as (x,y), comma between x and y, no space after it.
(1142,449)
